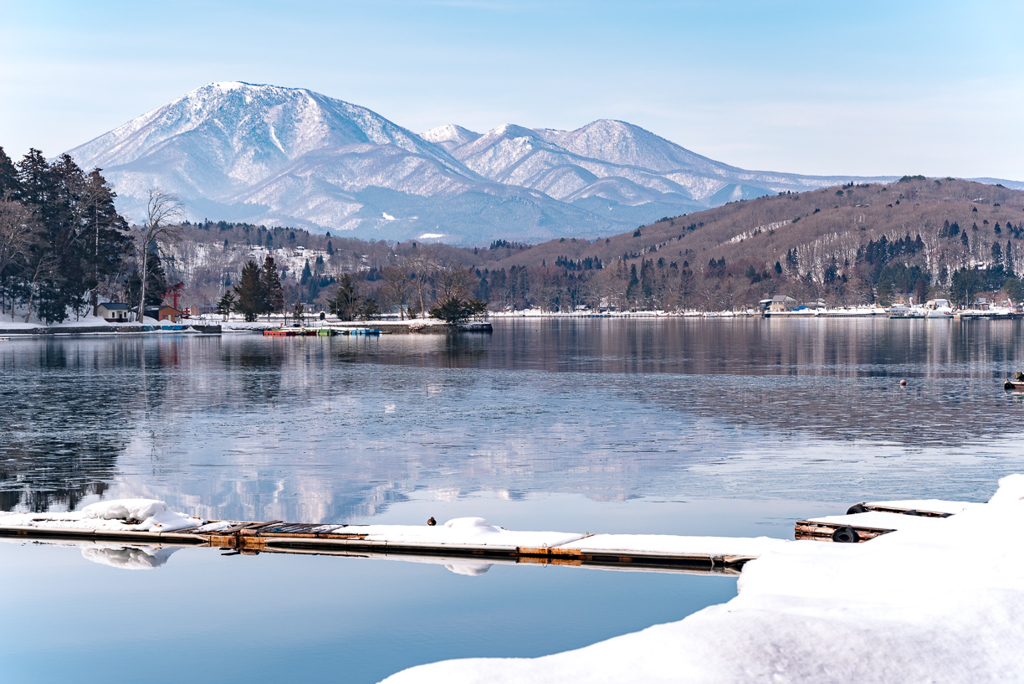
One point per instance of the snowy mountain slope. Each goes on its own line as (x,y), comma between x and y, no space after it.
(624,144)
(250,130)
(564,163)
(230,144)
(450,136)
(288,156)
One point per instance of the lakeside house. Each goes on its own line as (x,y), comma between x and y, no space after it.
(781,303)
(164,313)
(114,312)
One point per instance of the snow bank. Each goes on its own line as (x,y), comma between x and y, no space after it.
(128,510)
(136,515)
(1011,490)
(940,602)
(142,514)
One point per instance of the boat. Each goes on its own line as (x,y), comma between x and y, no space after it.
(1017,384)
(938,308)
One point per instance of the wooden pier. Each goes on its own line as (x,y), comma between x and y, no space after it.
(475,539)
(866,521)
(666,553)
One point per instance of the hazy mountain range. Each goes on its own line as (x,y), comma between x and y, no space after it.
(288,156)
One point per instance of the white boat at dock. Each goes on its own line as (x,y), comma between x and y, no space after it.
(938,308)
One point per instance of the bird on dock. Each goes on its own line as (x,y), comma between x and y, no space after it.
(431,521)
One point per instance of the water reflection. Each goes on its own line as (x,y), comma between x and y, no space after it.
(314,429)
(128,557)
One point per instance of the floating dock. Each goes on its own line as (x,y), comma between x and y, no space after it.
(318,332)
(467,538)
(483,543)
(866,521)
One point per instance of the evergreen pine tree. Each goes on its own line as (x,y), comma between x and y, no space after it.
(272,288)
(226,304)
(107,241)
(345,303)
(9,185)
(251,296)
(56,196)
(634,283)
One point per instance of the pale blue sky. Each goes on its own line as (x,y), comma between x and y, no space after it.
(808,87)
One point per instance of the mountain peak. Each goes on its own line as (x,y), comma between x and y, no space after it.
(450,136)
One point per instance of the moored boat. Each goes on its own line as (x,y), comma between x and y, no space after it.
(938,308)
(1017,384)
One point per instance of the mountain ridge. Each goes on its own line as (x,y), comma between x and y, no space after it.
(290,156)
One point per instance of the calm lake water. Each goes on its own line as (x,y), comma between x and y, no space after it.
(685,426)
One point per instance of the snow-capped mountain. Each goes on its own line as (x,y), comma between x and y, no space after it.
(451,136)
(289,156)
(616,162)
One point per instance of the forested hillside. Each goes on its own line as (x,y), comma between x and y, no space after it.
(846,245)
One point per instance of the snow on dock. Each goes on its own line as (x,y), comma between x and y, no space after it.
(150,522)
(727,551)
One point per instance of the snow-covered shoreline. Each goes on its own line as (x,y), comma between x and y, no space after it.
(94,325)
(931,603)
(937,600)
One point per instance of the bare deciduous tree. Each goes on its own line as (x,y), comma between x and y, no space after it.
(421,264)
(162,210)
(395,287)
(452,280)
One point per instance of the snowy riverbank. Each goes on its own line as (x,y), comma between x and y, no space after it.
(936,603)
(94,325)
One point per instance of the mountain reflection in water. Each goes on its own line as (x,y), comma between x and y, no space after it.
(246,427)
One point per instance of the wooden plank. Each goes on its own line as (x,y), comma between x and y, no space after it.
(820,531)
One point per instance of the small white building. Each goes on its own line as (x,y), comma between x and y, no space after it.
(114,312)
